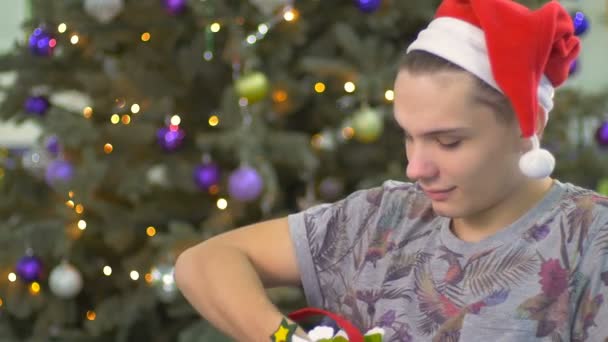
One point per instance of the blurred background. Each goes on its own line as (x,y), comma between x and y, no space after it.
(131,130)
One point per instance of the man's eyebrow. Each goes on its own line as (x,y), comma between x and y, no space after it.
(442,131)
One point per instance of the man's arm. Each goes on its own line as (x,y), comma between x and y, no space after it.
(224,278)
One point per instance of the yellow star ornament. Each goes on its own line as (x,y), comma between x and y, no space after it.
(283,332)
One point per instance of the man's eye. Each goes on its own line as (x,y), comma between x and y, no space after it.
(449,144)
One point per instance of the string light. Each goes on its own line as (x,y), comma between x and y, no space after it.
(279,96)
(82,224)
(176,120)
(215,27)
(34,288)
(61,28)
(91,315)
(348,132)
(214,189)
(87,112)
(135,108)
(349,87)
(115,119)
(148,277)
(151,231)
(79,209)
(69,204)
(263,28)
(145,37)
(12,277)
(74,39)
(134,275)
(389,95)
(290,14)
(126,119)
(71,194)
(107,270)
(319,87)
(214,120)
(1,302)
(222,204)
(108,148)
(251,39)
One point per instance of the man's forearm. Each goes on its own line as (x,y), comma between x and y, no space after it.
(226,290)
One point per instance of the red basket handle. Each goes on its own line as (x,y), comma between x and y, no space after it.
(354,335)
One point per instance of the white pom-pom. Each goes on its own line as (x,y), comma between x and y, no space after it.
(537,163)
(321,332)
(374,331)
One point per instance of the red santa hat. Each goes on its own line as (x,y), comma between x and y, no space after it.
(524,54)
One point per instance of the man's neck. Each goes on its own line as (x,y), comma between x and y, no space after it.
(494,219)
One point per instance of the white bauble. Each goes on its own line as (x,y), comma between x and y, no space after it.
(65,281)
(103,10)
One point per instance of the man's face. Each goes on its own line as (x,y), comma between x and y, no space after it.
(461,155)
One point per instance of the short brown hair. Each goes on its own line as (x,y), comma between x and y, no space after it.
(419,62)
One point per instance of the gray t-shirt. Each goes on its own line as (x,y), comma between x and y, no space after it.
(382,258)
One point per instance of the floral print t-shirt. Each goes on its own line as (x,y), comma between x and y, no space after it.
(382,258)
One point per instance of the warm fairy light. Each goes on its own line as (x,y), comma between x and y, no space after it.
(279,96)
(71,194)
(115,118)
(214,189)
(349,87)
(82,224)
(74,39)
(79,209)
(251,39)
(87,112)
(208,55)
(135,108)
(34,288)
(348,133)
(389,95)
(145,36)
(91,315)
(215,27)
(134,275)
(70,203)
(319,87)
(222,204)
(107,270)
(61,28)
(214,120)
(243,102)
(263,28)
(176,120)
(12,277)
(108,148)
(1,302)
(126,119)
(290,15)
(316,140)
(151,231)
(148,277)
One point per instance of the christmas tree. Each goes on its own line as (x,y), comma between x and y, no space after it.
(165,122)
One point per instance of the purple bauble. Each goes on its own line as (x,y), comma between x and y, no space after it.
(245,184)
(368,6)
(59,171)
(36,105)
(581,23)
(41,42)
(573,67)
(170,138)
(52,145)
(29,268)
(601,135)
(174,6)
(206,175)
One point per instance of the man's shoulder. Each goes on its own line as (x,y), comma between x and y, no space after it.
(585,206)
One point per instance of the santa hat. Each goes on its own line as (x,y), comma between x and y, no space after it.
(522,53)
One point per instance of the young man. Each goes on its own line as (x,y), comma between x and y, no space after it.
(484,246)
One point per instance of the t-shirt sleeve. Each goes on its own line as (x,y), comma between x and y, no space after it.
(590,321)
(323,236)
